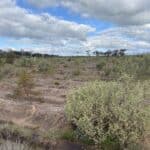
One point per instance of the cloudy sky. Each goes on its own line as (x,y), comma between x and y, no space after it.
(69,27)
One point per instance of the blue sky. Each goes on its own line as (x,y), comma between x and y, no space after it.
(65,14)
(68,27)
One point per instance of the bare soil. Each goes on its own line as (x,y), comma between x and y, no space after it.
(32,113)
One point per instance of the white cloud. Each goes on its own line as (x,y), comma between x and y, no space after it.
(44,3)
(133,38)
(19,23)
(122,12)
(46,33)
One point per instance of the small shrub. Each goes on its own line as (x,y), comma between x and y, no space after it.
(108,112)
(56,83)
(44,66)
(7,70)
(69,59)
(65,65)
(2,61)
(52,134)
(64,134)
(76,72)
(25,62)
(68,135)
(10,58)
(100,65)
(25,84)
(76,67)
(16,137)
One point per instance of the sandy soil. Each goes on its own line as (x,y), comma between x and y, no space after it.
(44,115)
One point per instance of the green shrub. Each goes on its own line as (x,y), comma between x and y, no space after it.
(100,65)
(25,62)
(143,70)
(2,61)
(108,112)
(25,85)
(76,72)
(76,67)
(68,135)
(44,66)
(56,83)
(10,58)
(115,67)
(64,134)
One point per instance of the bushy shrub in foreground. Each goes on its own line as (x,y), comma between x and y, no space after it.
(108,112)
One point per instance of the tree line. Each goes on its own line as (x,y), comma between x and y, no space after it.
(118,52)
(17,54)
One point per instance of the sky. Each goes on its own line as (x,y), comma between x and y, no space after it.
(71,27)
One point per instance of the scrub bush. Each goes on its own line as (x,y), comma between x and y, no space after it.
(7,70)
(108,112)
(115,67)
(45,66)
(25,62)
(25,85)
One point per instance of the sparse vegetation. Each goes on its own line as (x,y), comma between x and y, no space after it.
(115,67)
(10,130)
(104,112)
(9,145)
(25,62)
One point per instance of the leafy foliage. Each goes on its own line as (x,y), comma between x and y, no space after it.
(108,112)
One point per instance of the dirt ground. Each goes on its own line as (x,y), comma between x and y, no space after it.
(52,90)
(44,115)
